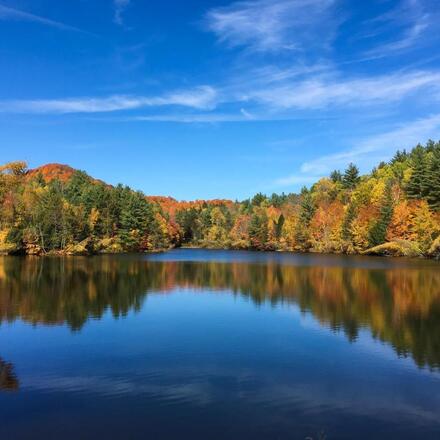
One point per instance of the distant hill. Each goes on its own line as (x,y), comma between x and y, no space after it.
(52,171)
(62,172)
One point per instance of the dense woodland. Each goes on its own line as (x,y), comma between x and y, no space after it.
(394,210)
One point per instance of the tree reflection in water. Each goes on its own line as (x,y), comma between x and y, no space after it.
(8,379)
(398,306)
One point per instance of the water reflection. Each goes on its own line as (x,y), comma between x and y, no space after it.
(400,306)
(8,379)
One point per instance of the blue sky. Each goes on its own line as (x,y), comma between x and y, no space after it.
(209,99)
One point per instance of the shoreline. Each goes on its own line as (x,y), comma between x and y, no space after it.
(386,250)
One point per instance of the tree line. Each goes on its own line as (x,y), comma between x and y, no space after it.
(78,215)
(395,210)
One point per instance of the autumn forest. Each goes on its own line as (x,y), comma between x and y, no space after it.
(393,210)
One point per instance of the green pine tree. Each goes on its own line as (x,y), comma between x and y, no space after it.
(258,230)
(433,179)
(307,211)
(279,226)
(399,157)
(417,186)
(351,176)
(258,199)
(336,176)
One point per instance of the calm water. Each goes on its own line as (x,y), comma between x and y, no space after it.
(213,345)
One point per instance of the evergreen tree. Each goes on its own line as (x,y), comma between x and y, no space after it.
(136,221)
(277,200)
(202,223)
(400,156)
(258,229)
(279,226)
(76,187)
(430,146)
(188,221)
(433,179)
(307,207)
(418,182)
(50,218)
(351,176)
(307,211)
(258,199)
(246,206)
(336,176)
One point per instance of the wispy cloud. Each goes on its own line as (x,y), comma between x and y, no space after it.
(380,146)
(319,92)
(204,118)
(366,152)
(409,23)
(273,25)
(296,179)
(202,98)
(211,117)
(409,38)
(119,8)
(270,100)
(7,13)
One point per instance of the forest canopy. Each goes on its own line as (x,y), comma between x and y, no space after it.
(393,210)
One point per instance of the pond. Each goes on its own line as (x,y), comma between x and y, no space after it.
(204,344)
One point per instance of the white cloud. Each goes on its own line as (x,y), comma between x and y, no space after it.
(265,99)
(382,146)
(296,179)
(119,7)
(209,117)
(203,97)
(275,99)
(7,13)
(193,118)
(366,152)
(272,25)
(320,92)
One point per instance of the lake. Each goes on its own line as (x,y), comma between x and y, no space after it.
(203,344)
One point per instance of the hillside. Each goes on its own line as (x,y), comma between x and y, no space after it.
(57,171)
(394,210)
